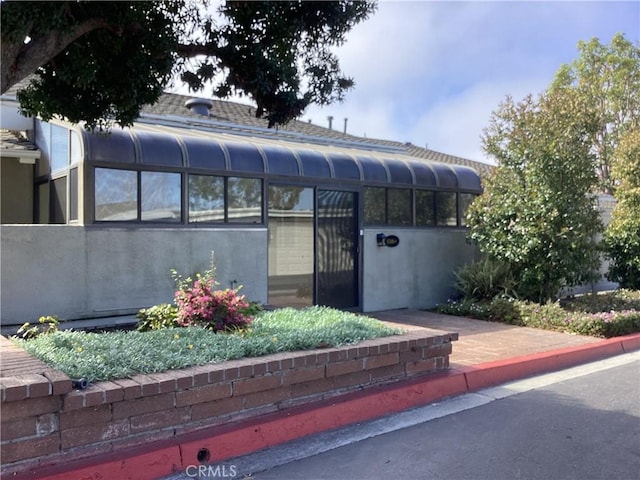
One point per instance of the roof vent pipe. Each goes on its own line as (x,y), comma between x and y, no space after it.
(330,118)
(345,125)
(199,106)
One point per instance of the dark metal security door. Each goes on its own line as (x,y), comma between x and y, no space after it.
(337,248)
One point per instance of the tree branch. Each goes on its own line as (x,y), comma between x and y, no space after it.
(19,59)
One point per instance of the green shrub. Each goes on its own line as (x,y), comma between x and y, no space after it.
(622,236)
(157,317)
(484,280)
(47,324)
(605,315)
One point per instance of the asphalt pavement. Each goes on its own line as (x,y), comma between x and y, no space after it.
(579,423)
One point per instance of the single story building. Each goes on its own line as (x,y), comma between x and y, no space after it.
(92,224)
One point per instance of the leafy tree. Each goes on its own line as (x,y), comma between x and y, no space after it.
(102,61)
(536,214)
(607,77)
(622,237)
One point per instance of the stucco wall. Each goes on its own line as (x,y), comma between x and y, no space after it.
(417,273)
(77,272)
(16,192)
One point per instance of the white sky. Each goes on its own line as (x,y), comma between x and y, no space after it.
(431,72)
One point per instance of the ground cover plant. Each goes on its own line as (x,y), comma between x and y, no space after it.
(606,315)
(120,354)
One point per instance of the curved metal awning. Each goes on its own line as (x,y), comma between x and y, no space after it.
(224,153)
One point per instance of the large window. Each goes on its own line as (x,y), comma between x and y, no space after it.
(465,201)
(446,209)
(244,198)
(160,196)
(206,198)
(116,195)
(425,208)
(387,206)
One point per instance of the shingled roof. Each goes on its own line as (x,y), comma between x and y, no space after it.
(235,116)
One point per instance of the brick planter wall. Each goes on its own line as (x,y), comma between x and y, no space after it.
(46,422)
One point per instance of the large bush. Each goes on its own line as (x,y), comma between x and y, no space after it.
(622,237)
(537,214)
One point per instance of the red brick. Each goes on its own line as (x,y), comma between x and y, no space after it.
(381,360)
(31,407)
(47,424)
(34,447)
(130,388)
(322,358)
(439,350)
(259,368)
(411,355)
(217,408)
(343,368)
(112,392)
(420,366)
(85,416)
(311,388)
(200,376)
(13,389)
(392,371)
(22,427)
(355,379)
(216,374)
(148,384)
(93,396)
(159,420)
(231,373)
(37,385)
(337,355)
(141,438)
(245,371)
(183,379)
(203,394)
(267,397)
(60,383)
(257,384)
(73,400)
(303,375)
(166,383)
(97,433)
(129,408)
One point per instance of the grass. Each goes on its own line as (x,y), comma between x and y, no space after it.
(605,315)
(113,355)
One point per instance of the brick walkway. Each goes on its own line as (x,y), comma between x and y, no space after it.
(481,341)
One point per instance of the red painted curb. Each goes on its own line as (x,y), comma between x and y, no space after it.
(224,442)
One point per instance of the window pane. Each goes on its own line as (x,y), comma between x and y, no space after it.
(425,214)
(43,141)
(42,191)
(291,255)
(160,196)
(399,206)
(73,194)
(159,149)
(244,198)
(59,200)
(465,201)
(116,195)
(59,148)
(76,148)
(446,208)
(206,198)
(374,212)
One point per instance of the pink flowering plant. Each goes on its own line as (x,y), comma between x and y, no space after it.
(199,303)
